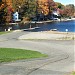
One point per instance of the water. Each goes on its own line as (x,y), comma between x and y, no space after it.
(60,26)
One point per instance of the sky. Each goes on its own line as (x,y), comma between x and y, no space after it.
(65,2)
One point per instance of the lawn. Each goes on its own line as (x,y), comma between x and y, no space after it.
(73,73)
(11,54)
(5,32)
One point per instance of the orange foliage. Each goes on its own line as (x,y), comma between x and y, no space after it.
(6,2)
(46,6)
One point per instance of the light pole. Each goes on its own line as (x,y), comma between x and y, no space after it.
(19,7)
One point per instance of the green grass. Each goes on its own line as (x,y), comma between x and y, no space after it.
(73,73)
(5,32)
(11,54)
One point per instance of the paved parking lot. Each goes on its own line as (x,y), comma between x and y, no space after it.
(59,62)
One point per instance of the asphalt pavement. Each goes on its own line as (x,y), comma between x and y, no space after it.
(59,62)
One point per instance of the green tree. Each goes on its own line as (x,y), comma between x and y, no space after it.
(27,7)
(59,5)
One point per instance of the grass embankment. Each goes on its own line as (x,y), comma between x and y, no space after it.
(73,73)
(11,54)
(5,32)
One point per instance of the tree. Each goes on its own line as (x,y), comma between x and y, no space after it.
(17,3)
(69,10)
(5,11)
(27,7)
(47,6)
(2,13)
(59,5)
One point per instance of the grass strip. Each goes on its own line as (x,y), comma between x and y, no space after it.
(73,73)
(5,32)
(11,54)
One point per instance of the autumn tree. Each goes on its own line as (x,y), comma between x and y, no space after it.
(69,10)
(2,12)
(59,5)
(5,11)
(28,8)
(46,6)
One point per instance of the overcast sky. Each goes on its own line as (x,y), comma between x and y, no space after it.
(65,2)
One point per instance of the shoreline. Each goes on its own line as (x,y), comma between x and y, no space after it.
(55,31)
(49,21)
